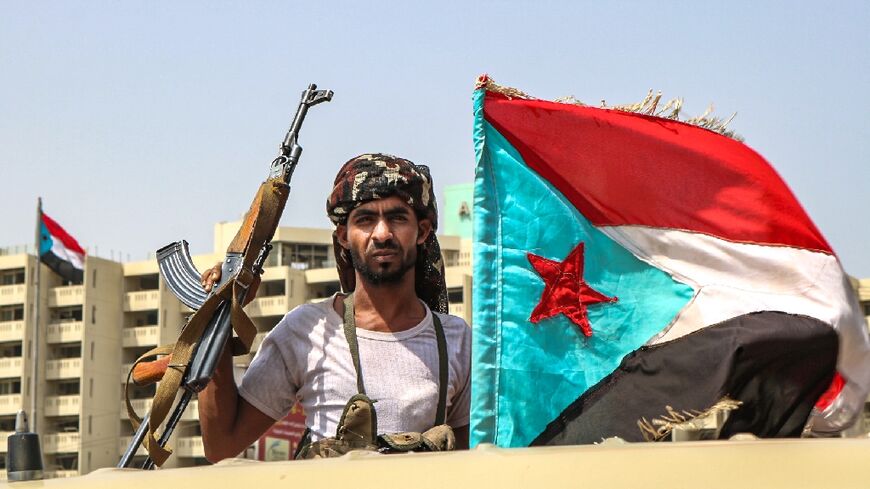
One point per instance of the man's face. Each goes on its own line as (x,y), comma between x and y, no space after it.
(382,237)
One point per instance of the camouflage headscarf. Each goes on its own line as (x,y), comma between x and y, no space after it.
(377,176)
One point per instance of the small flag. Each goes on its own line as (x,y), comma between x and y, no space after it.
(60,251)
(632,272)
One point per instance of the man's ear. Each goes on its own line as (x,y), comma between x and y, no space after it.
(341,235)
(424,227)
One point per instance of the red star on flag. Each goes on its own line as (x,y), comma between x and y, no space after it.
(566,292)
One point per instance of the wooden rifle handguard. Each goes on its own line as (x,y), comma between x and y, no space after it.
(147,373)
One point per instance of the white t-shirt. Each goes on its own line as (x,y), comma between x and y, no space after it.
(306,358)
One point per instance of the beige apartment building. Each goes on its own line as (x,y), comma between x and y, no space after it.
(90,334)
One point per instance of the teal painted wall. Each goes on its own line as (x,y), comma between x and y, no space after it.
(456,208)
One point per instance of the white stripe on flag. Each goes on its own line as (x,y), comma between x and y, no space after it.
(731,279)
(61,251)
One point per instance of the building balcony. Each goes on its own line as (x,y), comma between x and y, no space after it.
(190,446)
(141,406)
(12,294)
(124,442)
(61,474)
(10,404)
(64,332)
(61,443)
(268,306)
(321,276)
(455,276)
(65,368)
(144,300)
(3,444)
(11,330)
(125,369)
(258,340)
(192,411)
(63,405)
(11,367)
(70,295)
(140,336)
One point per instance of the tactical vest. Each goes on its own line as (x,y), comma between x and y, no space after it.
(358,426)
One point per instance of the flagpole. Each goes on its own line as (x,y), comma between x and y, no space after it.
(35,348)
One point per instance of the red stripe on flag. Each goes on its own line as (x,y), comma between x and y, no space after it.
(831,394)
(621,168)
(60,233)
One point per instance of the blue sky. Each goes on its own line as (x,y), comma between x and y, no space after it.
(140,123)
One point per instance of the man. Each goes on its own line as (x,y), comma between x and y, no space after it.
(388,256)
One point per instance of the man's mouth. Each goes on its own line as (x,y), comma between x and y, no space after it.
(384,254)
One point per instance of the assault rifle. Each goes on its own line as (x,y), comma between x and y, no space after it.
(190,363)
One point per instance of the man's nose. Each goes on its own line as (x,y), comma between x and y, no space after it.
(382,231)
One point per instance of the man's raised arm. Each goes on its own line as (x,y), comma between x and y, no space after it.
(229,423)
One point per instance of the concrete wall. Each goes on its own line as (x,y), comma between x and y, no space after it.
(101,356)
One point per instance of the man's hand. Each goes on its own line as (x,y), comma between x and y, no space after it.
(213,275)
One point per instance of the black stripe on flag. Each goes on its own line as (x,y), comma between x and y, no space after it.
(777,364)
(63,268)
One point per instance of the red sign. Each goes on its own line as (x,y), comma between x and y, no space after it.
(279,442)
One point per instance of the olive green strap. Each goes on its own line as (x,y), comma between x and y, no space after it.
(350,335)
(304,441)
(441,414)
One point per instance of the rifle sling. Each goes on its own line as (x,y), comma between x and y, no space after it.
(259,225)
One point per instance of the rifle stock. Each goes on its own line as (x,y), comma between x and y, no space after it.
(147,373)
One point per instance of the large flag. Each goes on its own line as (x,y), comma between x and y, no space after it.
(632,269)
(60,251)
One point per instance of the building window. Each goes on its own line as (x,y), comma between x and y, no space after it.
(12,313)
(867,308)
(67,314)
(13,350)
(302,256)
(464,211)
(451,257)
(10,387)
(93,314)
(149,282)
(68,462)
(68,351)
(67,388)
(272,288)
(454,295)
(94,279)
(12,277)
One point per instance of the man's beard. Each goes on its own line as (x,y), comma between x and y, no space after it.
(386,277)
